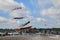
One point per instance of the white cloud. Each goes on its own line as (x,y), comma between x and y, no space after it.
(2,19)
(41,20)
(56,3)
(37,20)
(5,20)
(52,13)
(8,23)
(40,3)
(20,13)
(8,5)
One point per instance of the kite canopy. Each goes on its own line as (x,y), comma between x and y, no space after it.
(26,23)
(25,28)
(17,8)
(18,18)
(30,26)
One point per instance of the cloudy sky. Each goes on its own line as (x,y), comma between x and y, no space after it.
(41,13)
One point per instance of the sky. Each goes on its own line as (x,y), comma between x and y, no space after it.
(41,13)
